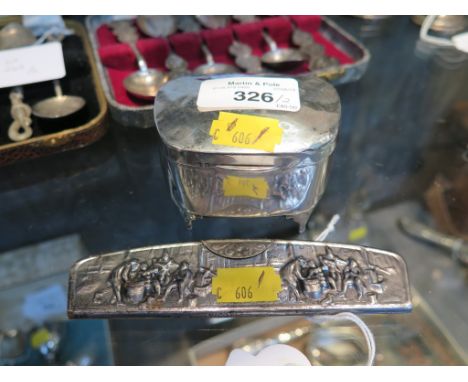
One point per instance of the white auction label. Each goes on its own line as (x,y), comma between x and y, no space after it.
(31,64)
(247,93)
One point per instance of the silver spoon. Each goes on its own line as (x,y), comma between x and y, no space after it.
(214,22)
(281,58)
(15,35)
(176,64)
(211,67)
(245,18)
(157,26)
(162,26)
(244,57)
(301,38)
(310,49)
(60,105)
(145,82)
(187,23)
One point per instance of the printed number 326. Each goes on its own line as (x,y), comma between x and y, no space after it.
(253,96)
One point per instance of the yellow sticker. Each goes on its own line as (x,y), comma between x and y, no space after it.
(250,284)
(256,188)
(39,337)
(357,233)
(247,131)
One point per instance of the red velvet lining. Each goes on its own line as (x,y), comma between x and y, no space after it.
(120,61)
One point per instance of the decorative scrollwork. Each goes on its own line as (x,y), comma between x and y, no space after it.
(236,249)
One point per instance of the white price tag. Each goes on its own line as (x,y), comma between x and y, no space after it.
(246,93)
(31,64)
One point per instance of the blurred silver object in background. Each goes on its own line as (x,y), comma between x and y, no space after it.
(456,246)
(444,24)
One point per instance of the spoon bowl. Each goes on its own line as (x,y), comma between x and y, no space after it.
(145,84)
(15,35)
(215,68)
(58,107)
(211,66)
(283,59)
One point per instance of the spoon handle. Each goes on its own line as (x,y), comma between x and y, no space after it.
(20,129)
(126,33)
(271,43)
(58,88)
(208,56)
(142,65)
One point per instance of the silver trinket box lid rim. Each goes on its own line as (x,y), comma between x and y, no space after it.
(185,130)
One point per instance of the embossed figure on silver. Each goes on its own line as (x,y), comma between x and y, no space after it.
(176,280)
(135,282)
(331,279)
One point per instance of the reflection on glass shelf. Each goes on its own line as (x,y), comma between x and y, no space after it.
(407,339)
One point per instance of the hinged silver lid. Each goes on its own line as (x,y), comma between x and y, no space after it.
(185,130)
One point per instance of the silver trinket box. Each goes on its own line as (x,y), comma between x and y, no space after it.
(239,278)
(211,179)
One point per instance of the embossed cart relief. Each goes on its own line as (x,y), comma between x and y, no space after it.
(239,277)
